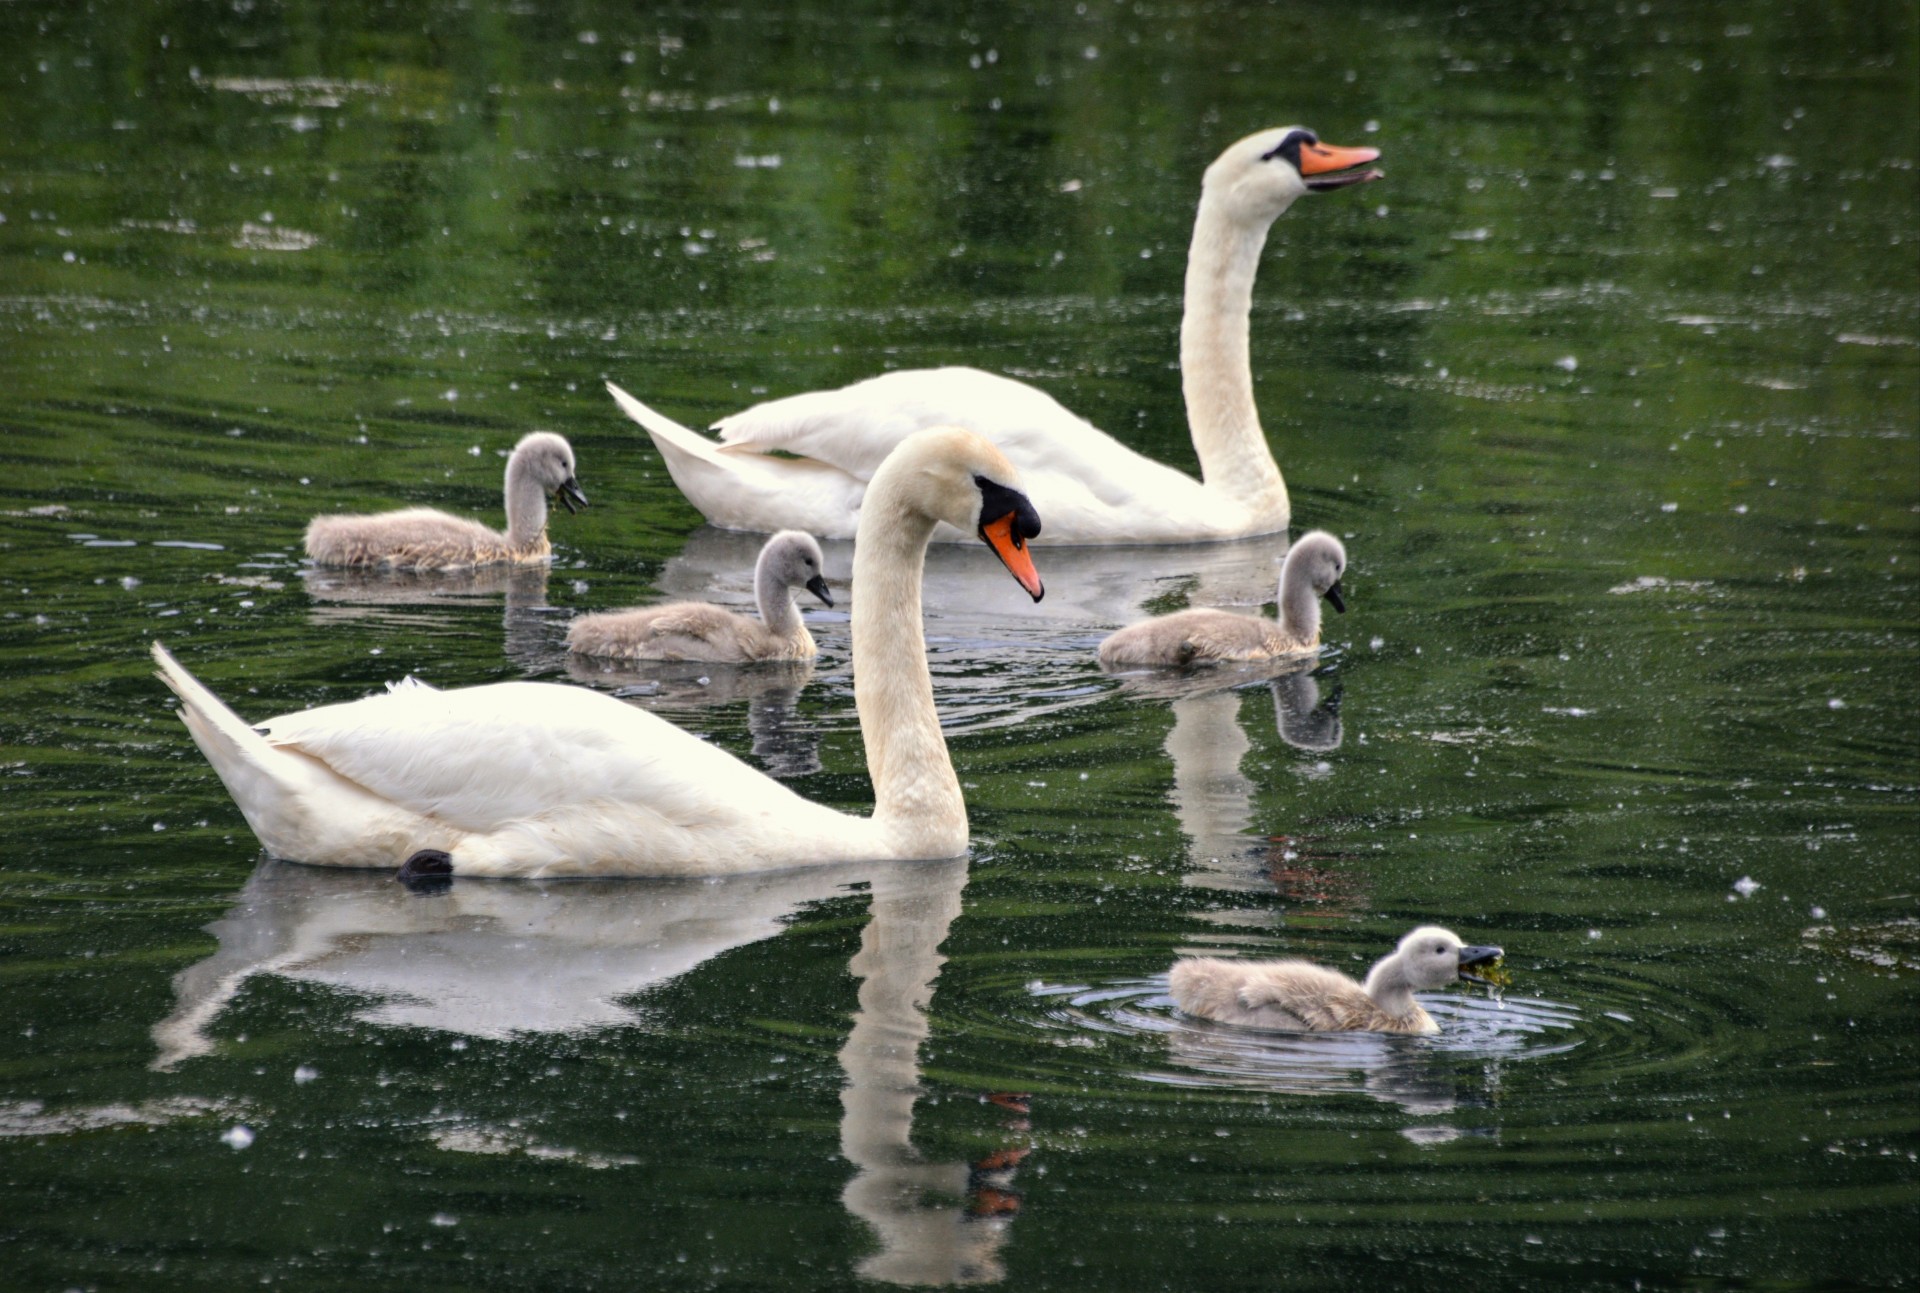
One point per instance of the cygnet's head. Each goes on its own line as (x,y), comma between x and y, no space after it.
(1320,560)
(1432,957)
(1259,177)
(547,459)
(791,559)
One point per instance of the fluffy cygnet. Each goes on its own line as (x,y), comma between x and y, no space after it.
(1299,996)
(698,631)
(1203,635)
(424,538)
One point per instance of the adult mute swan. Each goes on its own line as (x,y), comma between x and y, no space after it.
(425,538)
(538,779)
(701,631)
(1298,996)
(1204,635)
(1094,489)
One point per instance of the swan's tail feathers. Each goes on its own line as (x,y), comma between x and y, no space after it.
(667,434)
(746,489)
(247,764)
(692,460)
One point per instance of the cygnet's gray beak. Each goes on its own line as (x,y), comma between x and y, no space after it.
(570,496)
(818,587)
(1471,956)
(1333,595)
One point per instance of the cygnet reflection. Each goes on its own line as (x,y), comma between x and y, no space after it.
(498,960)
(1459,1067)
(533,630)
(785,743)
(1392,1070)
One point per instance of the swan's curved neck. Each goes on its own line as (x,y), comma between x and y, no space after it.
(526,504)
(775,596)
(1299,604)
(1387,985)
(1216,374)
(917,802)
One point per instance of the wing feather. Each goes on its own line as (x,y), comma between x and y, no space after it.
(483,757)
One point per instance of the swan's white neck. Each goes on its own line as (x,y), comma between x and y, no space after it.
(917,805)
(526,504)
(1299,604)
(1216,374)
(775,596)
(1387,985)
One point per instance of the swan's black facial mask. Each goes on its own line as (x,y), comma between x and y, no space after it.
(1326,166)
(570,496)
(1007,521)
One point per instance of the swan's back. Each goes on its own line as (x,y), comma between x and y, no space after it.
(415,538)
(1083,474)
(855,427)
(1287,995)
(683,631)
(567,781)
(1197,636)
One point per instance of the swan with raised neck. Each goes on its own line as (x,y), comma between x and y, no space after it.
(1292,995)
(702,631)
(425,538)
(532,779)
(1093,489)
(1313,569)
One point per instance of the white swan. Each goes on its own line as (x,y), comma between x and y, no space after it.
(1204,635)
(1094,489)
(701,631)
(537,779)
(1298,996)
(425,538)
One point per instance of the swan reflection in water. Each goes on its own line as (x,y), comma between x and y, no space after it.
(1092,589)
(504,960)
(1213,798)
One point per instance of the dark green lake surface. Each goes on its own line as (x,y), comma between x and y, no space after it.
(1612,389)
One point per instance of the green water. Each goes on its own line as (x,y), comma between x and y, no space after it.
(1612,389)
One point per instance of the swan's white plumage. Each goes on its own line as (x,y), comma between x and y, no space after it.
(529,779)
(1092,489)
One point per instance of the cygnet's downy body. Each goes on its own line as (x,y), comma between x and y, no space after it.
(1301,997)
(1312,570)
(699,631)
(425,538)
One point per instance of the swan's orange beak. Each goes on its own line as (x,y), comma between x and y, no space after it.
(1335,167)
(1013,554)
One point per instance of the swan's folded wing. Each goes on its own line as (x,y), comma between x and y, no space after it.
(714,625)
(1320,998)
(855,427)
(484,756)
